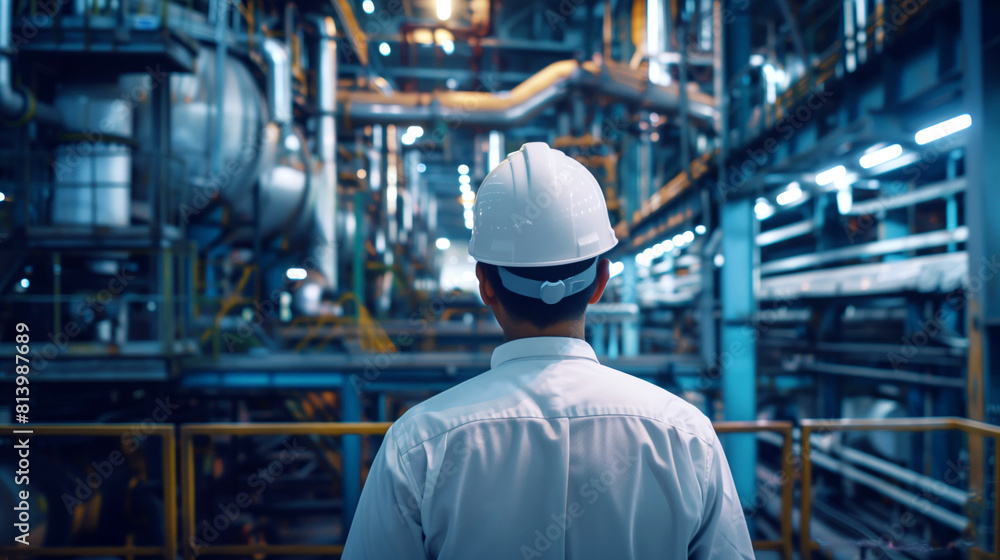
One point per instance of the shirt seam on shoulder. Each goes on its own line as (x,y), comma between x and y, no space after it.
(624,415)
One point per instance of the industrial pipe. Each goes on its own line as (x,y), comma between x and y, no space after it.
(324,249)
(279,82)
(538,92)
(17,106)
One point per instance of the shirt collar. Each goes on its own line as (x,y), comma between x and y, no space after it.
(543,347)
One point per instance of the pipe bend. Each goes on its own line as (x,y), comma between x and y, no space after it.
(279,85)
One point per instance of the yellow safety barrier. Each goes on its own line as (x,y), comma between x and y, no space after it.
(188,432)
(971,428)
(168,550)
(784,545)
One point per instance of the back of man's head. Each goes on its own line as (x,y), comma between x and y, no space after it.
(540,222)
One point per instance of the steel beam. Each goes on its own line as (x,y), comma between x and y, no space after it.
(737,355)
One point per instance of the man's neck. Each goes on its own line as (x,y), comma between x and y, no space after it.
(568,329)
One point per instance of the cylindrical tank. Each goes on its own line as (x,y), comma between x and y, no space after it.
(251,147)
(93,167)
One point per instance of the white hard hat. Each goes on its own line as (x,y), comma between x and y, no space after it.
(539,207)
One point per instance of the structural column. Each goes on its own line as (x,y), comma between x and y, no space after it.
(737,355)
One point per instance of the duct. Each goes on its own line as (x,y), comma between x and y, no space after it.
(527,99)
(17,106)
(279,83)
(324,249)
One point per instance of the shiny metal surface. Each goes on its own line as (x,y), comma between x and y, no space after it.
(324,240)
(93,169)
(251,148)
(552,83)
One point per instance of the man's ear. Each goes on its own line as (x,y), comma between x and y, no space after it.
(486,290)
(603,275)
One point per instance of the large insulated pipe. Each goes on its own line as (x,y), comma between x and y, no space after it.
(279,82)
(475,108)
(324,249)
(16,106)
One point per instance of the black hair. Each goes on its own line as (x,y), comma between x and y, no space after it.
(535,311)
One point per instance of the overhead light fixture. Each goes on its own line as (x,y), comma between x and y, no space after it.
(451,83)
(443,9)
(443,243)
(463,169)
(362,173)
(763,209)
(408,140)
(384,49)
(789,195)
(415,131)
(25,283)
(368,6)
(830,175)
(468,224)
(668,245)
(678,240)
(3,197)
(464,179)
(616,268)
(468,214)
(296,273)
(942,129)
(421,168)
(448,46)
(757,60)
(719,260)
(879,157)
(700,229)
(468,196)
(688,236)
(465,188)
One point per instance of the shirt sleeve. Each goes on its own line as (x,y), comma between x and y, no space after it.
(723,534)
(387,521)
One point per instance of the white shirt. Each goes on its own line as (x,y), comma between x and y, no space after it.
(550,455)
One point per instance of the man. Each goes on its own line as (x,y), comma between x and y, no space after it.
(548,454)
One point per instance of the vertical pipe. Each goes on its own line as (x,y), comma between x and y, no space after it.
(805,508)
(630,327)
(326,145)
(359,248)
(351,445)
(220,80)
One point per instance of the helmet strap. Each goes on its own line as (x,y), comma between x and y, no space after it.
(548,292)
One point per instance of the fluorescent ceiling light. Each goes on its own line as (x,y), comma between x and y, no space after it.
(408,140)
(464,179)
(368,6)
(942,129)
(879,157)
(700,229)
(678,240)
(415,131)
(463,169)
(296,273)
(790,195)
(830,175)
(384,49)
(443,243)
(688,236)
(763,209)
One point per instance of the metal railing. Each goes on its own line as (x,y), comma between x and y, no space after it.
(168,550)
(975,431)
